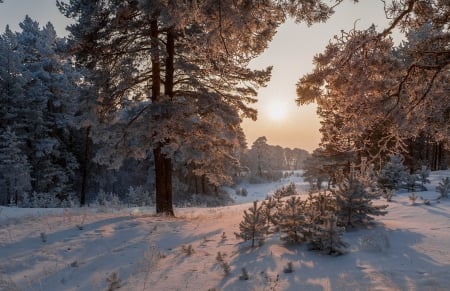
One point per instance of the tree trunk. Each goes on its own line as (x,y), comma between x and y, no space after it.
(163,171)
(203,184)
(196,184)
(163,164)
(85,169)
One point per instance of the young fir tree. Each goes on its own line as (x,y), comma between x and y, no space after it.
(443,188)
(354,203)
(292,219)
(270,207)
(393,175)
(15,180)
(285,191)
(254,226)
(423,173)
(327,237)
(319,205)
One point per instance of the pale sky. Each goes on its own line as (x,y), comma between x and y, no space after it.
(290,53)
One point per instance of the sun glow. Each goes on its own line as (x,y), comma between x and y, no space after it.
(277,110)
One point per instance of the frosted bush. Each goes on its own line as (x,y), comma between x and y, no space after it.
(285,191)
(138,196)
(44,200)
(241,192)
(108,201)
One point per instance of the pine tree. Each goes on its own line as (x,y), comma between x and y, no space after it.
(423,173)
(354,203)
(270,208)
(319,205)
(284,191)
(443,188)
(254,226)
(404,86)
(327,237)
(187,70)
(291,220)
(15,180)
(394,174)
(12,81)
(45,121)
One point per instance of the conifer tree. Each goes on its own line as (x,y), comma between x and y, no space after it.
(45,121)
(254,225)
(443,188)
(327,237)
(372,94)
(292,220)
(423,173)
(354,203)
(394,174)
(270,207)
(15,180)
(168,70)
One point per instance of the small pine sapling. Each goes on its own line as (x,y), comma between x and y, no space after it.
(327,238)
(320,204)
(393,174)
(113,282)
(355,203)
(413,198)
(254,226)
(226,268)
(219,257)
(241,192)
(292,220)
(270,206)
(43,237)
(411,182)
(423,173)
(244,276)
(388,194)
(188,250)
(285,191)
(443,188)
(288,269)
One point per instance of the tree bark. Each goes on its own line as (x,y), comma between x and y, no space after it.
(85,168)
(163,171)
(163,164)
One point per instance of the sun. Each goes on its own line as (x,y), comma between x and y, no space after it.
(277,110)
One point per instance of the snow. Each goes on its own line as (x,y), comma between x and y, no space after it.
(408,249)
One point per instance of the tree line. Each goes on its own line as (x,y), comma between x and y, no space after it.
(154,92)
(160,85)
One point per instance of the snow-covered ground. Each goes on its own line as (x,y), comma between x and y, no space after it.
(87,249)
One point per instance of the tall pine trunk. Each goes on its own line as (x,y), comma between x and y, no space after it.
(85,168)
(163,173)
(163,164)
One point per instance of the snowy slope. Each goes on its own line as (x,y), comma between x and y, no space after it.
(407,250)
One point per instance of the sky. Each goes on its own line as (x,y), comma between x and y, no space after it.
(290,53)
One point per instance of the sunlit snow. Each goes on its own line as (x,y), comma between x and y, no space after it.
(81,249)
